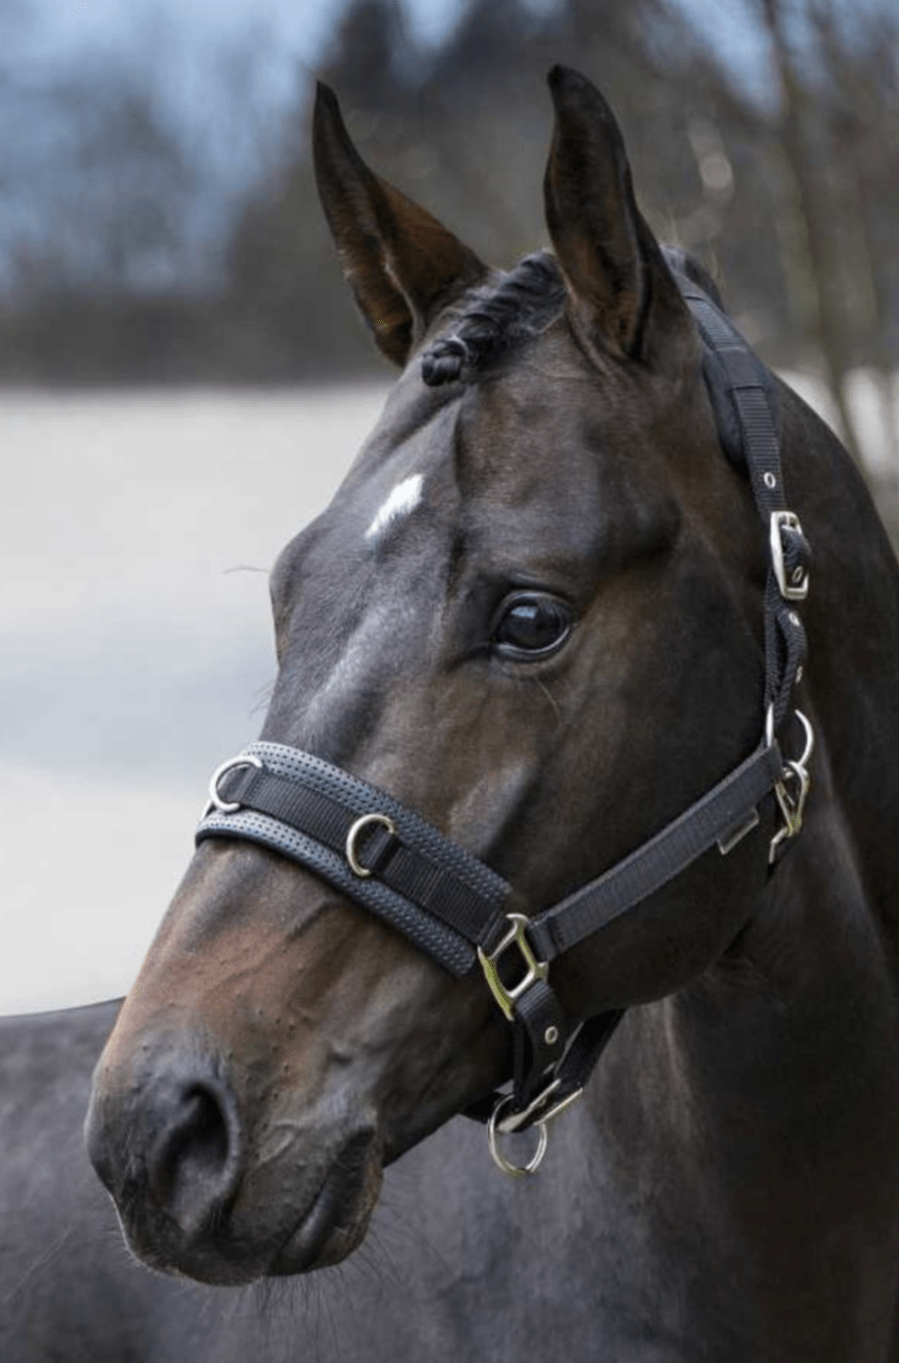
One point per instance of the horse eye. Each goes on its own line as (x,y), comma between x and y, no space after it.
(532,626)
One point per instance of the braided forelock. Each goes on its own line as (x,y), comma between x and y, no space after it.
(522,305)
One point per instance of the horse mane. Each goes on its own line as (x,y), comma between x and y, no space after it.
(523,303)
(520,306)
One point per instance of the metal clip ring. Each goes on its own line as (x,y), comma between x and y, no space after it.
(499,1159)
(792,806)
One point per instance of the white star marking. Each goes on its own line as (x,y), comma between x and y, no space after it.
(402,500)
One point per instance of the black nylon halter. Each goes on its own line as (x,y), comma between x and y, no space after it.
(387,859)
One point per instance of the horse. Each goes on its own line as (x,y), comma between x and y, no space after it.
(578,777)
(68,1291)
(71,1293)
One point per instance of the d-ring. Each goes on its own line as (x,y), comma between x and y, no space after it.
(356,866)
(499,1159)
(215,800)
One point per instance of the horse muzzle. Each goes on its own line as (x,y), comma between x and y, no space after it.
(200,1194)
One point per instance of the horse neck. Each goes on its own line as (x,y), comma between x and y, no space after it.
(853,684)
(825,931)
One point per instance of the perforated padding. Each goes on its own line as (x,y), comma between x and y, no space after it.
(358,797)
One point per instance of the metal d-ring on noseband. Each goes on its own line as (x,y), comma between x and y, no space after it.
(355,865)
(215,800)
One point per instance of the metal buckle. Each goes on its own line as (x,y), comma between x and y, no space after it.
(793,787)
(797,588)
(215,800)
(506,995)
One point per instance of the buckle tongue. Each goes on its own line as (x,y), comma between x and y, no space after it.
(504,994)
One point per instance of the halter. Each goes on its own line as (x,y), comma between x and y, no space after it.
(388,860)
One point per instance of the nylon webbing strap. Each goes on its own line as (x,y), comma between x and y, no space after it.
(723,813)
(747,384)
(578,1062)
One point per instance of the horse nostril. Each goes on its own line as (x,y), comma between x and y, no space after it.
(195,1167)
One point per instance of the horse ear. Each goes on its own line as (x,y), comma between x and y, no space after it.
(622,299)
(401,263)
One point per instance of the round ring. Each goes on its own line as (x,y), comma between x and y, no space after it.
(355,864)
(809,738)
(215,800)
(807,728)
(499,1159)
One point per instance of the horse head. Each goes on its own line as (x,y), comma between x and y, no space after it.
(532,614)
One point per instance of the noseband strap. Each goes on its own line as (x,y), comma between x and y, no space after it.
(387,859)
(451,905)
(363,842)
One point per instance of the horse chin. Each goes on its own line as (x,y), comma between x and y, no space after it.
(335,1225)
(261,1236)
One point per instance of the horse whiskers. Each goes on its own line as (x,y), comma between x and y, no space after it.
(552,700)
(262,697)
(41,1261)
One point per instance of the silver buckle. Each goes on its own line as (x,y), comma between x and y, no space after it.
(506,995)
(797,588)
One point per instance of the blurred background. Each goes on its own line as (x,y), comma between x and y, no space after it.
(183,378)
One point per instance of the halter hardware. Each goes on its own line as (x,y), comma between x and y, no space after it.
(214,799)
(351,850)
(793,584)
(504,1164)
(452,906)
(792,790)
(508,995)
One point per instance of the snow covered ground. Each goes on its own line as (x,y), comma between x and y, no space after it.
(135,652)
